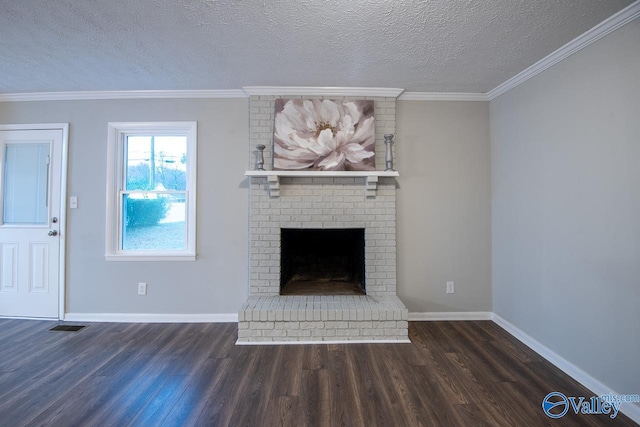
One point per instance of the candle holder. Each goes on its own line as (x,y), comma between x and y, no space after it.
(388,141)
(260,157)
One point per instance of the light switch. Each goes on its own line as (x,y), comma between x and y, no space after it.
(73,202)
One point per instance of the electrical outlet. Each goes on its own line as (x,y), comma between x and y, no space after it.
(142,288)
(450,288)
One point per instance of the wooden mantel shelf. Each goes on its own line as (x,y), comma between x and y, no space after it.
(273,178)
(326,174)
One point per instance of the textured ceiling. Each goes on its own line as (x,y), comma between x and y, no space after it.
(421,46)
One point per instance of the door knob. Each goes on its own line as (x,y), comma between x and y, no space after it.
(53,233)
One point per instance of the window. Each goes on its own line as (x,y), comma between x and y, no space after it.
(151,191)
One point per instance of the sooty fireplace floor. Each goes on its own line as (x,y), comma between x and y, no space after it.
(322,287)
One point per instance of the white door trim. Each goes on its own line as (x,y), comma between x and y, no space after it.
(64,127)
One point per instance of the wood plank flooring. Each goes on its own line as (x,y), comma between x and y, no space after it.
(118,374)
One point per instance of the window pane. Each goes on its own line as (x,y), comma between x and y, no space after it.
(151,198)
(156,163)
(153,222)
(25,183)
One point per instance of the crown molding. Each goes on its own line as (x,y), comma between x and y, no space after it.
(322,91)
(246,91)
(442,96)
(120,94)
(607,26)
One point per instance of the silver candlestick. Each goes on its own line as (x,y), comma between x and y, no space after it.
(388,141)
(260,157)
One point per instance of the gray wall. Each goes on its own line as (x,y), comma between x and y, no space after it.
(217,281)
(565,152)
(444,205)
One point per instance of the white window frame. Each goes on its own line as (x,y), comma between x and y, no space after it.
(118,131)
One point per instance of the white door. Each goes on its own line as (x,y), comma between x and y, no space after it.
(30,187)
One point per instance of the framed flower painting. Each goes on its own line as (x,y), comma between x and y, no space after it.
(324,135)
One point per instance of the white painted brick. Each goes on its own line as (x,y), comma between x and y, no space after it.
(311,325)
(389,324)
(360,325)
(261,325)
(342,325)
(274,333)
(347,332)
(298,333)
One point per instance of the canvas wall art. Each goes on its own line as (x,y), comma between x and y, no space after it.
(324,135)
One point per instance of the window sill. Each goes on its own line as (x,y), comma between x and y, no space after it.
(150,257)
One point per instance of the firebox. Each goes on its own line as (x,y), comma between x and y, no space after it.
(322,261)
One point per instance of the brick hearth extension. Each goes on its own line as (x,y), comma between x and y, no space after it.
(324,201)
(322,318)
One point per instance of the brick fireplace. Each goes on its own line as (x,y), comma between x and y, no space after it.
(280,203)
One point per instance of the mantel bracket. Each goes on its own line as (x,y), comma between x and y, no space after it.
(372,186)
(274,186)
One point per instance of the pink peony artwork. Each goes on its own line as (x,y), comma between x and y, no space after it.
(322,134)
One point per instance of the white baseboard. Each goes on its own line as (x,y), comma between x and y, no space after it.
(233,317)
(598,388)
(151,317)
(446,315)
(407,341)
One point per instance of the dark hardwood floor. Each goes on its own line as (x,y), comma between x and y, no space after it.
(110,374)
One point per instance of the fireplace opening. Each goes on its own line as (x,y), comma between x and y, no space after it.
(322,261)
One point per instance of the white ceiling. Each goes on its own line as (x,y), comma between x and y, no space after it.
(421,46)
